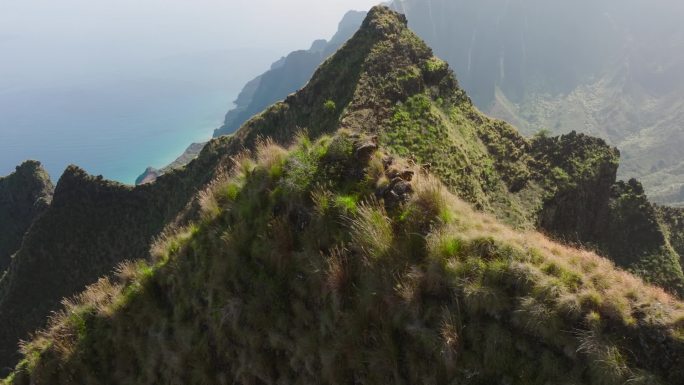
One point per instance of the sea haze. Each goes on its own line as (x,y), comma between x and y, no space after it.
(116,86)
(118,123)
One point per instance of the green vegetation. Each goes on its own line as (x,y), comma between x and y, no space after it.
(269,287)
(329,105)
(673,223)
(435,65)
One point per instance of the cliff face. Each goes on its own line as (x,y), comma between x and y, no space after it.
(24,195)
(579,173)
(286,76)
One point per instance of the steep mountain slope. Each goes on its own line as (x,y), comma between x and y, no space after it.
(673,220)
(383,83)
(24,195)
(286,75)
(609,68)
(309,266)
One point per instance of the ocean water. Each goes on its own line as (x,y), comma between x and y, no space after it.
(115,131)
(117,125)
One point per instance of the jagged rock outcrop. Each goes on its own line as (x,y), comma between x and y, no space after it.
(585,205)
(579,172)
(24,195)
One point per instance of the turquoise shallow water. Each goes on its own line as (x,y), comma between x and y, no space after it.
(115,121)
(111,130)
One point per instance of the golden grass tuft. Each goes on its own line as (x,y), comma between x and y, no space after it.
(242,165)
(371,231)
(270,156)
(67,325)
(338,274)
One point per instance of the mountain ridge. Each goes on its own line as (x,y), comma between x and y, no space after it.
(24,195)
(575,181)
(383,89)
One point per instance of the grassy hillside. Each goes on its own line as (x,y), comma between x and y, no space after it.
(24,195)
(332,262)
(385,87)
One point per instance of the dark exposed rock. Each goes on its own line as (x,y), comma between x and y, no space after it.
(365,149)
(406,174)
(24,195)
(399,189)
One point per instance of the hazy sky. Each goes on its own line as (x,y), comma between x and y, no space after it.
(39,36)
(44,41)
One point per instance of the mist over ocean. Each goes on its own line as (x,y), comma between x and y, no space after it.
(116,86)
(119,123)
